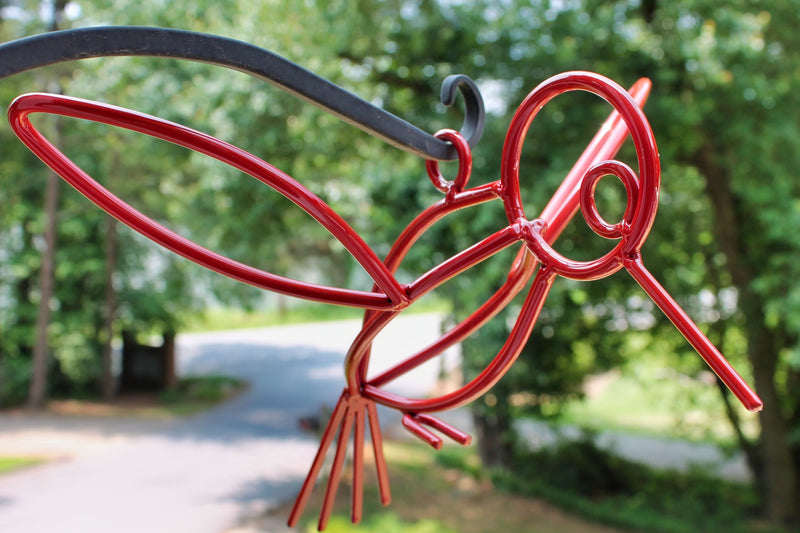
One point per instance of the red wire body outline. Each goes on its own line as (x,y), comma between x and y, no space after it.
(387,297)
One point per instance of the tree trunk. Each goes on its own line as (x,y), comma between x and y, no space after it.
(779,483)
(778,475)
(107,377)
(168,352)
(494,433)
(748,447)
(751,452)
(37,393)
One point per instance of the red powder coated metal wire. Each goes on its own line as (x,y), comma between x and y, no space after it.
(536,257)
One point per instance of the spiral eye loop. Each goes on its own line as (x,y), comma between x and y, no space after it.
(589,207)
(464,164)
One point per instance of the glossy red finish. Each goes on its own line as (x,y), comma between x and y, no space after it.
(689,329)
(390,295)
(387,298)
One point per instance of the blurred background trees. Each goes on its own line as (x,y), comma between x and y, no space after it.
(723,108)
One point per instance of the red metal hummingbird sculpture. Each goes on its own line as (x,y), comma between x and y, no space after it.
(356,408)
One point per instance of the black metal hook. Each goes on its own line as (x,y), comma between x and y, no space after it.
(475,113)
(68,45)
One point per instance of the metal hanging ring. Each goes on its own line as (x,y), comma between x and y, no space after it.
(464,164)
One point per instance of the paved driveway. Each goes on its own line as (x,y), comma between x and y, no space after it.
(206,473)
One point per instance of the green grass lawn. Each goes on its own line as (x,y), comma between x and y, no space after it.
(221,319)
(430,494)
(8,464)
(652,400)
(447,492)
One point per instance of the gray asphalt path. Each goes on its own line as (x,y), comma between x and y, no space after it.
(207,473)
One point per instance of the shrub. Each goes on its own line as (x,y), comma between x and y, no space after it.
(584,478)
(15,375)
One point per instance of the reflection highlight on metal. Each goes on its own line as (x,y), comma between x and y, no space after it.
(355,412)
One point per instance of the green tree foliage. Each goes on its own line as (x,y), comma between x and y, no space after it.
(723,108)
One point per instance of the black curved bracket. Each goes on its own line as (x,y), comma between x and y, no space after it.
(68,45)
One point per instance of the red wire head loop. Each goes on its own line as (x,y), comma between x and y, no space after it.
(642,196)
(464,164)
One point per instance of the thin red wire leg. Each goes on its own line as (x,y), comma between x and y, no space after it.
(689,329)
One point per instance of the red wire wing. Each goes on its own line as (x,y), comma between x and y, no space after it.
(390,293)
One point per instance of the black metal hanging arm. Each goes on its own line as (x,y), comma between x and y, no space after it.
(68,45)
